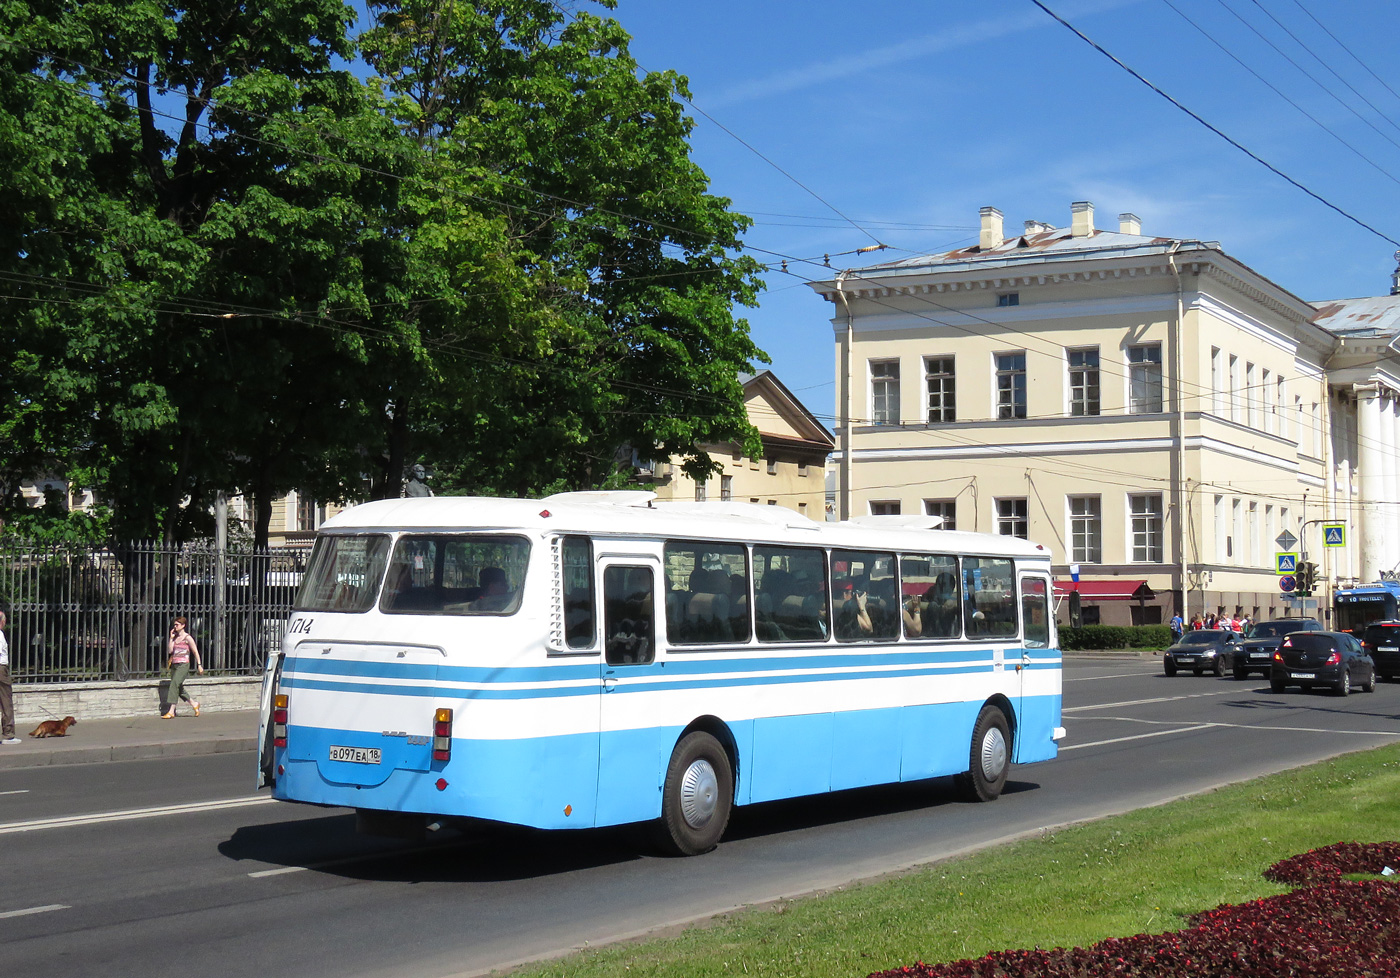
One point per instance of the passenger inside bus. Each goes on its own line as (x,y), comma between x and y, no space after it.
(852,615)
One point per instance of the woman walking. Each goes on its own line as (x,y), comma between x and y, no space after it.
(179,647)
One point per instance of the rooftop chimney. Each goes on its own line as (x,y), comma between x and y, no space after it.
(1038,227)
(1129,224)
(1395,276)
(991,229)
(1081,219)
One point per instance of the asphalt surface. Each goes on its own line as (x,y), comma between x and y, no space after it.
(175,865)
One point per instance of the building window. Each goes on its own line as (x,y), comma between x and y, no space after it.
(1264,395)
(1011,385)
(1253,530)
(884,391)
(1011,518)
(1008,299)
(884,507)
(1222,536)
(1085,530)
(942,390)
(726,487)
(944,509)
(1145,379)
(1083,382)
(802,470)
(772,466)
(1234,389)
(701,492)
(1217,386)
(1146,514)
(309,514)
(1281,409)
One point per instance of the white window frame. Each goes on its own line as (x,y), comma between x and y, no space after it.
(1085,389)
(884,391)
(1012,517)
(947,395)
(1011,374)
(1085,529)
(946,509)
(1146,538)
(1145,374)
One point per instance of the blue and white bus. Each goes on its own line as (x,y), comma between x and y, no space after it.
(594,659)
(1357,607)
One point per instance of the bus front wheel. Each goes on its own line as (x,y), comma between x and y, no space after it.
(989,758)
(697,797)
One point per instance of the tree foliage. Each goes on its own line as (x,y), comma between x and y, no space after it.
(229,264)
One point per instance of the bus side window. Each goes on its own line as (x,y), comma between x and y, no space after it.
(628,615)
(579,627)
(1035,612)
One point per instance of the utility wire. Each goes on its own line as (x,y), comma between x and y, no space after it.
(1272,87)
(1233,142)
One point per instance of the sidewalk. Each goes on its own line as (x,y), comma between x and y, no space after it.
(136,738)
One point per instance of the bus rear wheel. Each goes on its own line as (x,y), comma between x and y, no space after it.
(989,757)
(697,797)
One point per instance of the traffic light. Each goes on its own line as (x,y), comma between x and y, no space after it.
(1307,576)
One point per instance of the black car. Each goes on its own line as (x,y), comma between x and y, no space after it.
(1262,640)
(1202,649)
(1334,659)
(1382,642)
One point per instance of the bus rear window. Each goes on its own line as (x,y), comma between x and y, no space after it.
(344,574)
(445,574)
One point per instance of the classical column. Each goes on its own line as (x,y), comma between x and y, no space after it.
(1370,481)
(1389,497)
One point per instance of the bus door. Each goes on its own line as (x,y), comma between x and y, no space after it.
(1033,692)
(627,762)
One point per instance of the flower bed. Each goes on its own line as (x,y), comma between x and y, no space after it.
(1326,929)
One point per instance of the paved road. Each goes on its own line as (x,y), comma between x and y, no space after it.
(175,867)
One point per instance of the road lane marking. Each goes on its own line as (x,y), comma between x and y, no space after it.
(30,910)
(1155,733)
(345,860)
(1155,699)
(1094,679)
(1256,726)
(21,791)
(98,818)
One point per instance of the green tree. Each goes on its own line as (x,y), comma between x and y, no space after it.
(603,317)
(198,221)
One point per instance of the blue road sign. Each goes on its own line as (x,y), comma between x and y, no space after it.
(1287,583)
(1285,563)
(1334,536)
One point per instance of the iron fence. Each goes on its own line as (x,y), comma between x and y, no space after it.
(81,612)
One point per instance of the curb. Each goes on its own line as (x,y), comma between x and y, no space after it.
(11,760)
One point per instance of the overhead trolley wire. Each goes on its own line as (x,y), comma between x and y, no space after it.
(1229,139)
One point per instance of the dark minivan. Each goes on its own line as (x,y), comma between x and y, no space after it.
(1263,639)
(1334,659)
(1382,641)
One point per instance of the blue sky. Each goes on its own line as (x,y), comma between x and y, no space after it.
(908,116)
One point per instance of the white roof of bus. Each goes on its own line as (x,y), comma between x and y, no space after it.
(638,513)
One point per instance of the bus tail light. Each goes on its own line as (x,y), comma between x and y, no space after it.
(279,720)
(442,734)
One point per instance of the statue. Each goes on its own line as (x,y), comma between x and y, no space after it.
(417,486)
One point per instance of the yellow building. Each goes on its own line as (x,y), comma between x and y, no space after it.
(1150,409)
(791,472)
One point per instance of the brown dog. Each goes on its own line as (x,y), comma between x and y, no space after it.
(53,728)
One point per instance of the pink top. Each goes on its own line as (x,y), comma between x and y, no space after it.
(180,648)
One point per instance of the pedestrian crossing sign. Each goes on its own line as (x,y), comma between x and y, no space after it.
(1334,536)
(1285,563)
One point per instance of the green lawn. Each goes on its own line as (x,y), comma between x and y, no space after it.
(1141,872)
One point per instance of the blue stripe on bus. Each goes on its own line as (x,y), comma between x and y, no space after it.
(563,673)
(625,768)
(634,684)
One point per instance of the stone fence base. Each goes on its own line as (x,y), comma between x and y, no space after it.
(136,697)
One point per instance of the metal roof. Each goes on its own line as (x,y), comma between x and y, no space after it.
(1372,315)
(1055,244)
